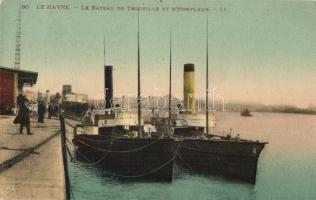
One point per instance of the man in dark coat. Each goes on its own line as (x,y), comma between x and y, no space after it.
(50,110)
(20,99)
(41,112)
(24,117)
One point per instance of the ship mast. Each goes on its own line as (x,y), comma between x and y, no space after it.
(138,83)
(104,49)
(206,99)
(170,75)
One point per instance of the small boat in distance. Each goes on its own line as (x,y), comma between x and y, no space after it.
(245,113)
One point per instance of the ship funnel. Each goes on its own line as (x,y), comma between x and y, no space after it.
(189,89)
(108,86)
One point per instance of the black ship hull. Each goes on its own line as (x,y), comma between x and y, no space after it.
(139,158)
(233,159)
(76,108)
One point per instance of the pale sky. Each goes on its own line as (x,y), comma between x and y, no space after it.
(258,51)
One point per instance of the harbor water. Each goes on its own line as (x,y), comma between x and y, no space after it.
(286,167)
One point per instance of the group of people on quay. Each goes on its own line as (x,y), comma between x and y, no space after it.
(23,114)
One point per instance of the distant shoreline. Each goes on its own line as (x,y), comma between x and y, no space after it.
(307,112)
(284,112)
(271,109)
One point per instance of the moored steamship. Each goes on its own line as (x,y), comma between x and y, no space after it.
(118,142)
(205,152)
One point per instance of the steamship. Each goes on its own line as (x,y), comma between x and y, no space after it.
(118,142)
(205,152)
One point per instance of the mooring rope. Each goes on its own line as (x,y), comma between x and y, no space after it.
(154,170)
(72,146)
(68,151)
(185,163)
(13,149)
(83,156)
(146,173)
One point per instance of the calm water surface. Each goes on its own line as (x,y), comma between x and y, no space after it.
(286,169)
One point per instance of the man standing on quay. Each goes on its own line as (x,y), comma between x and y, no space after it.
(41,112)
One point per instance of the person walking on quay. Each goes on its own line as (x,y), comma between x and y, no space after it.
(50,110)
(41,112)
(24,117)
(56,110)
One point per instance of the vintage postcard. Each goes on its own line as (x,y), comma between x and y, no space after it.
(157,99)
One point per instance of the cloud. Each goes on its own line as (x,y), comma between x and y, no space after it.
(1,2)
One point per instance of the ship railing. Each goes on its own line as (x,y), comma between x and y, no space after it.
(75,116)
(162,125)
